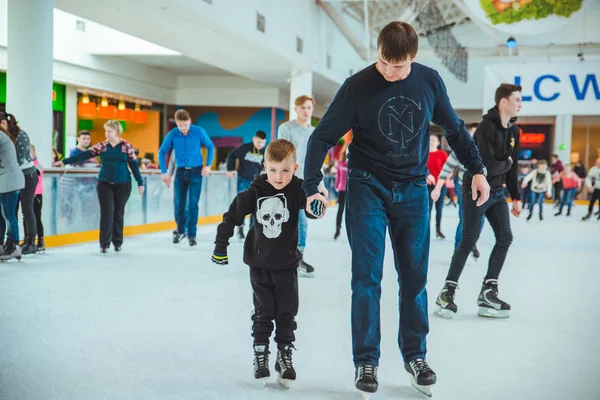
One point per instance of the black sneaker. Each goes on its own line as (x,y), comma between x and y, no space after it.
(489,304)
(445,301)
(365,378)
(178,237)
(192,242)
(422,377)
(261,361)
(286,373)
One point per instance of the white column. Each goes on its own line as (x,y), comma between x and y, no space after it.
(301,83)
(71,127)
(563,132)
(29,70)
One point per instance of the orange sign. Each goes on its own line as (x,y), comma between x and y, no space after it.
(532,138)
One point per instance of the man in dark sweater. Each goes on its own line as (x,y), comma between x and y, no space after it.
(389,106)
(271,251)
(250,156)
(497,137)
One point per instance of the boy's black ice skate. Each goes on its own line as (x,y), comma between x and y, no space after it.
(305,269)
(445,301)
(10,251)
(489,303)
(421,376)
(286,373)
(241,235)
(365,379)
(261,362)
(475,253)
(41,245)
(177,236)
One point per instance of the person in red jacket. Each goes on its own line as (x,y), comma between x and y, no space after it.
(571,184)
(436,161)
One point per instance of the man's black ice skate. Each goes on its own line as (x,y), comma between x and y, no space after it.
(439,234)
(489,304)
(103,249)
(529,216)
(261,362)
(305,269)
(10,251)
(421,376)
(286,373)
(41,245)
(445,301)
(241,235)
(541,217)
(559,213)
(177,236)
(192,242)
(117,248)
(29,246)
(365,379)
(587,216)
(475,253)
(337,233)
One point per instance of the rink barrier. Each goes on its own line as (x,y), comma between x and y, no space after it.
(71,212)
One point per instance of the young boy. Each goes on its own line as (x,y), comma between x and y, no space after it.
(541,182)
(570,185)
(271,251)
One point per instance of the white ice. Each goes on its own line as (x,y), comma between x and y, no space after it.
(160,321)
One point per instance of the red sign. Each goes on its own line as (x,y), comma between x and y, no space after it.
(532,138)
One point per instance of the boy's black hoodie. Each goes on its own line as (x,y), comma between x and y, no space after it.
(499,149)
(272,242)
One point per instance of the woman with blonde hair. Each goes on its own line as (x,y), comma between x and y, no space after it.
(114,181)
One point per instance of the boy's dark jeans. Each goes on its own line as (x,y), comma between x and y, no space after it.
(371,208)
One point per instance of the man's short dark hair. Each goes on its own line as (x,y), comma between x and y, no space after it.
(261,135)
(398,41)
(473,125)
(505,90)
(83,133)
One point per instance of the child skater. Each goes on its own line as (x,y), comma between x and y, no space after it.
(271,251)
(341,180)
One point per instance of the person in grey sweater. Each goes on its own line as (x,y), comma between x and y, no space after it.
(27,195)
(11,181)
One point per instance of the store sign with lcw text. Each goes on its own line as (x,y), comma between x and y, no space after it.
(549,89)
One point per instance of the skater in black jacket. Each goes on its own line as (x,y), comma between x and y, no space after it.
(271,251)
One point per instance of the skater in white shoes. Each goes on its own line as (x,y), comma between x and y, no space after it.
(387,191)
(275,200)
(497,137)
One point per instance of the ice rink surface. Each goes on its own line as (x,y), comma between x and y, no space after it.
(160,321)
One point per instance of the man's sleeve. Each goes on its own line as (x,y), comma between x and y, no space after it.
(337,121)
(284,132)
(449,166)
(165,148)
(210,147)
(512,178)
(457,135)
(231,157)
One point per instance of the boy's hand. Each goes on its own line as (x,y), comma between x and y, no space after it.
(220,259)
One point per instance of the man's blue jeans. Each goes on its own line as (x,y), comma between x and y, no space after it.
(371,207)
(242,185)
(188,185)
(8,207)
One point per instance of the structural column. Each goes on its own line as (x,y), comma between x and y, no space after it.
(301,83)
(563,134)
(71,127)
(29,70)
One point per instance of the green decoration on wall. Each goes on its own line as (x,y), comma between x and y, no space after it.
(85,125)
(59,97)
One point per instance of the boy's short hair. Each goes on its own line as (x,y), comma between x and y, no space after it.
(261,135)
(182,115)
(542,162)
(398,41)
(505,90)
(300,100)
(84,133)
(279,150)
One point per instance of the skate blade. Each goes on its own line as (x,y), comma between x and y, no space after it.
(365,395)
(444,313)
(424,390)
(493,313)
(263,380)
(284,383)
(306,274)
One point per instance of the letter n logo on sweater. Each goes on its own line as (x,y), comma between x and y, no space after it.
(400,120)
